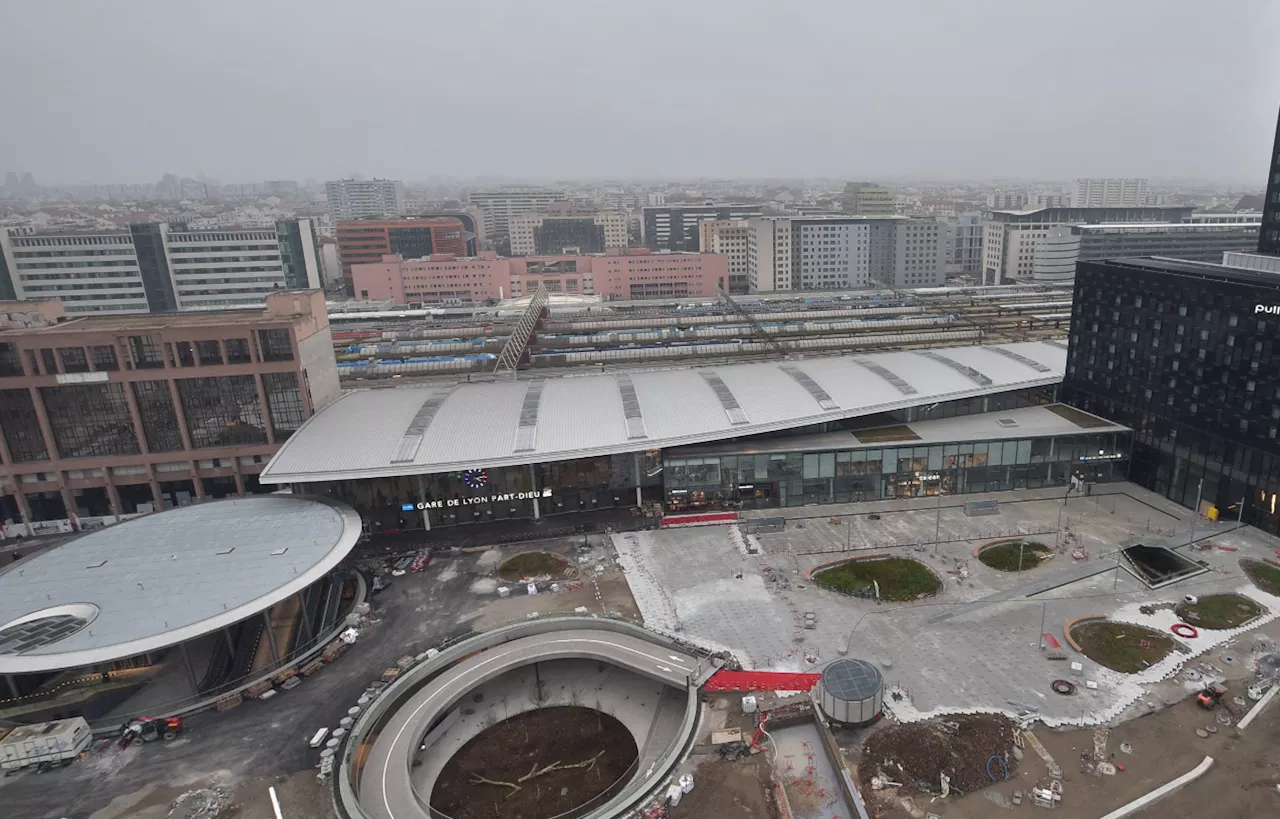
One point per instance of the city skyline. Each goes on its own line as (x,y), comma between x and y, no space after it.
(627,105)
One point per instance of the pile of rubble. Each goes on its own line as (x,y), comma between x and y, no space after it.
(201,804)
(959,749)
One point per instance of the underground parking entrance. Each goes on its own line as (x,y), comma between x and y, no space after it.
(535,765)
(548,739)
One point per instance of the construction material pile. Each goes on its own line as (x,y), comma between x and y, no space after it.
(971,750)
(205,803)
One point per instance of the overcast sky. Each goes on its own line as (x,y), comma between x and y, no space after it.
(947,89)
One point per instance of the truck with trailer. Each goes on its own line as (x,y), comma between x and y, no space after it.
(44,744)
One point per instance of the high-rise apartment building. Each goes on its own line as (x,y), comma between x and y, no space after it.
(655,200)
(920,254)
(159,267)
(364,199)
(1063,246)
(1269,237)
(675,227)
(567,231)
(1010,238)
(730,238)
(105,416)
(500,206)
(1185,353)
(1100,192)
(868,199)
(366,241)
(808,253)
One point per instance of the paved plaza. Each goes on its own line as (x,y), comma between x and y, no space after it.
(975,646)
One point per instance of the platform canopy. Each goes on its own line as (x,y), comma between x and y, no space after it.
(481,425)
(165,578)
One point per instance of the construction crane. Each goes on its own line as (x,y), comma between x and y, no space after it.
(756,329)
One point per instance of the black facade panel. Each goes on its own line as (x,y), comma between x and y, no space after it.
(555,235)
(148,243)
(1188,355)
(1269,237)
(411,242)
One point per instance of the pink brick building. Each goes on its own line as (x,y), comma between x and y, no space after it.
(633,274)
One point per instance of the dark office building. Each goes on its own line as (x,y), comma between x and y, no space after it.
(1188,355)
(675,227)
(555,236)
(1269,237)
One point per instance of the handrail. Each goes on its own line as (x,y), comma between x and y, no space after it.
(369,721)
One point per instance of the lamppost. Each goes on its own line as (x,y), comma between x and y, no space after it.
(937,519)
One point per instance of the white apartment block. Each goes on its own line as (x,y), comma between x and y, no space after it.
(1104,192)
(523,230)
(832,254)
(364,199)
(153,267)
(808,253)
(499,207)
(728,237)
(921,252)
(656,200)
(219,269)
(91,272)
(1009,249)
(769,259)
(1006,200)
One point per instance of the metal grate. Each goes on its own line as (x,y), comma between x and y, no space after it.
(1059,344)
(407,450)
(527,431)
(887,375)
(1021,359)
(736,414)
(812,387)
(968,372)
(631,407)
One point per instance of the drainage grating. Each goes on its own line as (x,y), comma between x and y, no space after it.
(527,431)
(407,451)
(736,414)
(887,375)
(968,372)
(1021,359)
(812,387)
(631,407)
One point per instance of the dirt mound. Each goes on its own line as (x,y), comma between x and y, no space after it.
(918,753)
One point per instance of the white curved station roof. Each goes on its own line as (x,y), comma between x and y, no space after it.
(423,430)
(172,576)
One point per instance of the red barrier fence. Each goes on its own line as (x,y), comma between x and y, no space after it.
(703,519)
(761,681)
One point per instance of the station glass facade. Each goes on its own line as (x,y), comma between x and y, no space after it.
(800,477)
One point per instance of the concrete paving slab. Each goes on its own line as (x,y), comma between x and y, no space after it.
(974,647)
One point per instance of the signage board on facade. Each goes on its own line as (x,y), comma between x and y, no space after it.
(474,500)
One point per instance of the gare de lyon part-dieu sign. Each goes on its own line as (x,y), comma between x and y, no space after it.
(475,499)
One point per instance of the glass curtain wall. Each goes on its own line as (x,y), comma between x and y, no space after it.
(801,478)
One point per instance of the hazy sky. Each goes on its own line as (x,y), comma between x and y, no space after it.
(949,89)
